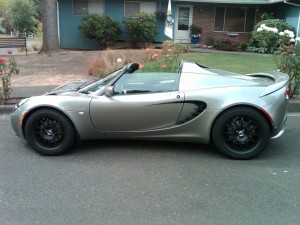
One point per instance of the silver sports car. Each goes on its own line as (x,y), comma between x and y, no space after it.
(237,113)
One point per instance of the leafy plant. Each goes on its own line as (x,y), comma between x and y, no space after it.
(7,69)
(195,30)
(141,27)
(161,14)
(100,27)
(290,64)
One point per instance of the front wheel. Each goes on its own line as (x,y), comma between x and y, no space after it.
(49,132)
(241,133)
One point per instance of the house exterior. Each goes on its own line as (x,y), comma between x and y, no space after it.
(221,20)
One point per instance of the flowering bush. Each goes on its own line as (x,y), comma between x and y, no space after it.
(165,59)
(7,69)
(271,35)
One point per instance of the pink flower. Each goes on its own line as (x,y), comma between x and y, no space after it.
(2,60)
(147,50)
(170,50)
(167,55)
(154,56)
(141,67)
(164,66)
(5,72)
(156,50)
(9,52)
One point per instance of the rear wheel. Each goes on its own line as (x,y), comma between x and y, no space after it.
(49,132)
(241,133)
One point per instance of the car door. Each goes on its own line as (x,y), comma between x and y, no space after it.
(138,104)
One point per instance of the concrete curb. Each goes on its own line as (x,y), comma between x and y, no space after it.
(6,109)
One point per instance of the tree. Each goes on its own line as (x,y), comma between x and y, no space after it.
(22,15)
(50,32)
(3,7)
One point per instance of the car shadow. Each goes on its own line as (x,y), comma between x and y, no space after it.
(97,147)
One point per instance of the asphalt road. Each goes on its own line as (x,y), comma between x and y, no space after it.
(126,182)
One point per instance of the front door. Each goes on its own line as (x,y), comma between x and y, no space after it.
(183,20)
(140,102)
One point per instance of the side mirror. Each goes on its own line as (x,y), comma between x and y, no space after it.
(109,91)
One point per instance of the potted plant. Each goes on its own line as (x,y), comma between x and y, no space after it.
(161,14)
(195,33)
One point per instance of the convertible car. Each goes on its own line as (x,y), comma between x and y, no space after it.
(237,113)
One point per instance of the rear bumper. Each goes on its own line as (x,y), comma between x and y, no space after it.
(279,131)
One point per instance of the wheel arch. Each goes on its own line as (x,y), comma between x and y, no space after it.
(265,115)
(28,114)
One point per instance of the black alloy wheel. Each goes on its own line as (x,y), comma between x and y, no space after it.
(49,132)
(241,133)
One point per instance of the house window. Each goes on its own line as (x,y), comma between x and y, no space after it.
(132,8)
(85,7)
(234,19)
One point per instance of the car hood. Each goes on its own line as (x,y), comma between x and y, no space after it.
(72,86)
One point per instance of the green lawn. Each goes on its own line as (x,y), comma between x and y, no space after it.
(231,62)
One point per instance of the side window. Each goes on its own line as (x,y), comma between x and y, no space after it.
(133,7)
(143,83)
(80,7)
(85,7)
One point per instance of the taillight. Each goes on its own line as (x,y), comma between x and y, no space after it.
(287,90)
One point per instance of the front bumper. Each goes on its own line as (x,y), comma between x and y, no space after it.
(16,122)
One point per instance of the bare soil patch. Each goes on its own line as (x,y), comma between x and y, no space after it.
(56,68)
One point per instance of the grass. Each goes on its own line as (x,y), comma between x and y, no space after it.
(231,62)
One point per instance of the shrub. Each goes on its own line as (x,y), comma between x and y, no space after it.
(7,69)
(271,35)
(225,45)
(110,60)
(100,27)
(244,47)
(141,27)
(290,64)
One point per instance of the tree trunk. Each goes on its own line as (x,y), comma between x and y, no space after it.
(50,30)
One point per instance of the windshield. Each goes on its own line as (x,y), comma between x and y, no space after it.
(101,83)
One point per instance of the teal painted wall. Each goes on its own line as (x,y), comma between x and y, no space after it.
(69,29)
(69,24)
(291,14)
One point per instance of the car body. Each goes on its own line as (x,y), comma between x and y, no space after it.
(237,113)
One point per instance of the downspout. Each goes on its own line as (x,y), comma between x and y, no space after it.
(298,25)
(58,28)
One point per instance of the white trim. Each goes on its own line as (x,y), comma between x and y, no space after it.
(58,27)
(289,3)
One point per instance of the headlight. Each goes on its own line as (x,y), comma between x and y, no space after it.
(23,101)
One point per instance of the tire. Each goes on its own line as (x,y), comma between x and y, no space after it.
(49,132)
(241,133)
